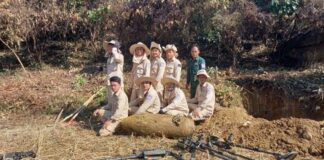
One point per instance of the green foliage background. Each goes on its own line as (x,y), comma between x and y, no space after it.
(224,29)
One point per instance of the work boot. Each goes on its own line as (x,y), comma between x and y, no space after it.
(104,132)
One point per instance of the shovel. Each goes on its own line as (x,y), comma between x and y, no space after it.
(70,118)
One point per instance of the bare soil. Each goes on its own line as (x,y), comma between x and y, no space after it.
(25,97)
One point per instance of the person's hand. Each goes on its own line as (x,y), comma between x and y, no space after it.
(187,86)
(114,50)
(96,113)
(195,113)
(106,124)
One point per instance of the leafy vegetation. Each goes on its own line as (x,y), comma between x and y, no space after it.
(285,7)
(79,81)
(228,94)
(224,29)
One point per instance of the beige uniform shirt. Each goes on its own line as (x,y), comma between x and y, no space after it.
(175,101)
(157,71)
(118,105)
(146,102)
(205,98)
(115,63)
(173,69)
(141,69)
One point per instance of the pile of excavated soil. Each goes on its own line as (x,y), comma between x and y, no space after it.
(283,94)
(287,134)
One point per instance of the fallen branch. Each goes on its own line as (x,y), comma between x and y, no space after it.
(14,54)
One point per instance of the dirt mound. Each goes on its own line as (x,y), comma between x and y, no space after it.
(274,95)
(286,134)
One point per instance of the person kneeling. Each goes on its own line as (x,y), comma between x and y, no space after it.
(174,100)
(203,104)
(115,111)
(145,99)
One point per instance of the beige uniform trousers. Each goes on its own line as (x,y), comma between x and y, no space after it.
(105,115)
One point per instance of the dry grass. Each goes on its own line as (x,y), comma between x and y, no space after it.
(45,90)
(77,142)
(36,132)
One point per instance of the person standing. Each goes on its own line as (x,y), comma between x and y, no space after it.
(173,65)
(141,64)
(194,64)
(115,61)
(157,66)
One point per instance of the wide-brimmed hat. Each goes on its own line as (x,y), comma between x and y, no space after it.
(139,44)
(156,45)
(112,42)
(172,47)
(145,78)
(202,72)
(166,80)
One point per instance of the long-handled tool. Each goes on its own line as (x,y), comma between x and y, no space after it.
(17,155)
(81,108)
(191,145)
(227,144)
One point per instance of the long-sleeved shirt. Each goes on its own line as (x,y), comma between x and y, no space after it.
(141,69)
(205,98)
(173,69)
(118,105)
(157,68)
(157,71)
(115,64)
(147,102)
(176,100)
(193,66)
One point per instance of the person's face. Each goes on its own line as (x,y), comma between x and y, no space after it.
(109,48)
(202,79)
(115,86)
(195,52)
(139,51)
(146,85)
(169,87)
(169,54)
(155,53)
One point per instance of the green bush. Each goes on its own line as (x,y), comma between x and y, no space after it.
(97,14)
(79,81)
(285,7)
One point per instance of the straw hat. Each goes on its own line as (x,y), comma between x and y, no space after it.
(139,44)
(172,47)
(156,45)
(142,79)
(166,80)
(112,42)
(202,72)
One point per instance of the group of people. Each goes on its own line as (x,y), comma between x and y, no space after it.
(155,85)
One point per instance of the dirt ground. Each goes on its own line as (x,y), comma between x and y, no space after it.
(29,105)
